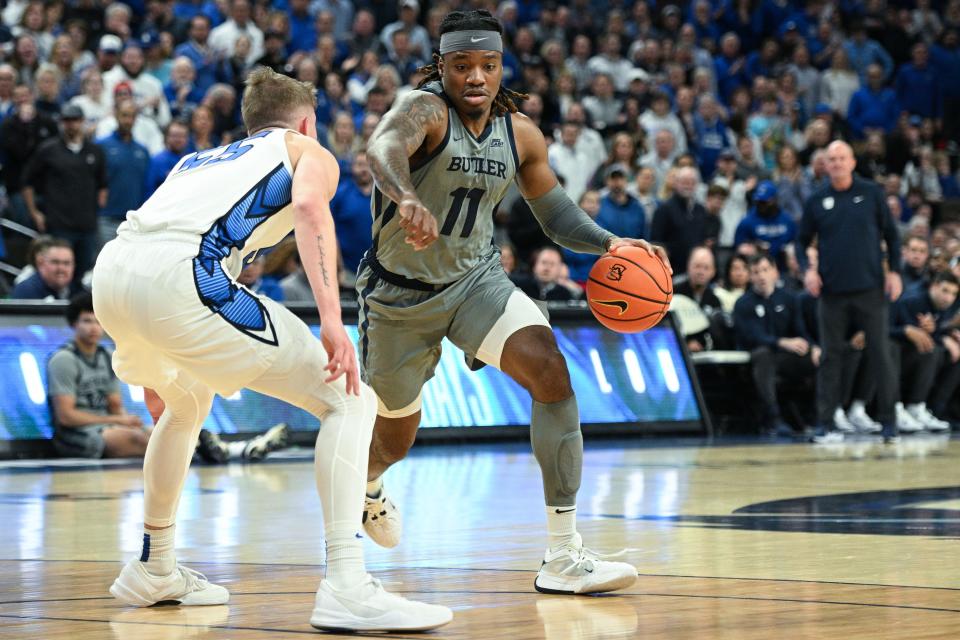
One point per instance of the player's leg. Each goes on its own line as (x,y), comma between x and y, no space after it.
(399,351)
(517,339)
(156,576)
(124,442)
(297,376)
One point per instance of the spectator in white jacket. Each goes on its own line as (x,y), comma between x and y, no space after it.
(223,39)
(147,90)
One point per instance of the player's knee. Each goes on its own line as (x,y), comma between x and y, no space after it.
(550,381)
(393,437)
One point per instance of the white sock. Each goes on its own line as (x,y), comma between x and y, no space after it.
(561,525)
(858,406)
(235,449)
(345,566)
(158,556)
(374,487)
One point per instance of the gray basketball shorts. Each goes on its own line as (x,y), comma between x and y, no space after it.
(79,442)
(401,329)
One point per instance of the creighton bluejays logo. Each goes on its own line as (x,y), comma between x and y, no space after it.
(828,203)
(616,272)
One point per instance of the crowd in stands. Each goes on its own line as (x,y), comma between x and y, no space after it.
(699,125)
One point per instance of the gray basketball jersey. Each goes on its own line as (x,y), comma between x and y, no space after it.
(460,183)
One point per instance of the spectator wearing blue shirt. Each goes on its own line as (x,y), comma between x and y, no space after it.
(182,91)
(767,224)
(332,99)
(128,163)
(252,278)
(620,213)
(351,212)
(303,32)
(54,277)
(946,61)
(873,107)
(864,52)
(176,143)
(711,135)
(918,86)
(729,67)
(342,12)
(763,62)
(206,64)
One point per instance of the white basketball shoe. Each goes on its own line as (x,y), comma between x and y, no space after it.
(136,586)
(370,607)
(382,520)
(576,569)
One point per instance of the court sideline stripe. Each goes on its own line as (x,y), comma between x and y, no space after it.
(474,569)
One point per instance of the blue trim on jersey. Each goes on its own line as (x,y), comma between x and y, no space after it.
(236,304)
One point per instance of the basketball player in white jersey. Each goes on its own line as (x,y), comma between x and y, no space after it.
(165,289)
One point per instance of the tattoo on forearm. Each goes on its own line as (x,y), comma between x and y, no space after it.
(398,137)
(323,267)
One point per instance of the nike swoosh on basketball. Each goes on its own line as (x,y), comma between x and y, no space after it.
(475,40)
(565,510)
(619,304)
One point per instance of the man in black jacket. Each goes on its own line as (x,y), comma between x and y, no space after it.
(767,322)
(850,219)
(927,350)
(65,183)
(680,223)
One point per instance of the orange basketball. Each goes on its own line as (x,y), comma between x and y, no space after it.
(629,291)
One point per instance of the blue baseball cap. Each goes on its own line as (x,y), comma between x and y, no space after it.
(765,192)
(822,108)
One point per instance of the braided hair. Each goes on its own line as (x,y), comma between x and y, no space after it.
(506,101)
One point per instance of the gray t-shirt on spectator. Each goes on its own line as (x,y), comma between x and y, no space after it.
(89,379)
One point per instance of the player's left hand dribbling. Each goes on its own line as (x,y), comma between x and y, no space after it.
(652,249)
(342,359)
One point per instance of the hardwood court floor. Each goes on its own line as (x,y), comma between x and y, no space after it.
(777,541)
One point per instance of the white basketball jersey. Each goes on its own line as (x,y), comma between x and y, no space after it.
(234,198)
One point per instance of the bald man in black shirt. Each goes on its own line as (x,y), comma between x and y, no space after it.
(850,219)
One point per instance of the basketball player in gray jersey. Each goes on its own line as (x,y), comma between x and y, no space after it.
(443,157)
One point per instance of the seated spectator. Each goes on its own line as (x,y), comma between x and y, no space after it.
(252,278)
(766,224)
(698,286)
(54,277)
(767,323)
(88,417)
(550,279)
(914,271)
(736,279)
(578,263)
(927,351)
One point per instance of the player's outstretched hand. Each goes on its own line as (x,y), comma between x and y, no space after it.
(418,223)
(652,249)
(342,358)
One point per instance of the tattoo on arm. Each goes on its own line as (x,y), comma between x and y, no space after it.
(397,138)
(323,267)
